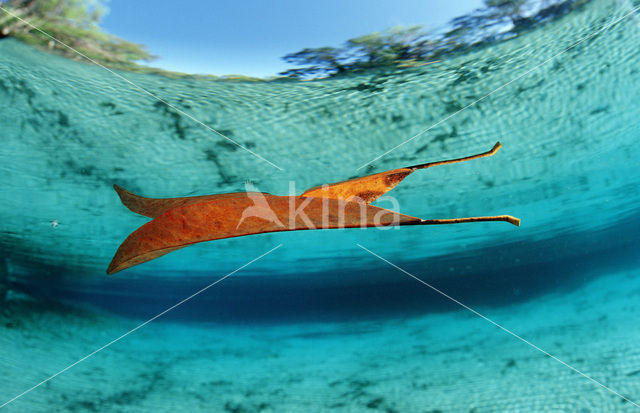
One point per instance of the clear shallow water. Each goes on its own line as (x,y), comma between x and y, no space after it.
(320,305)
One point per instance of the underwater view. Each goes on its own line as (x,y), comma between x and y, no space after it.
(472,317)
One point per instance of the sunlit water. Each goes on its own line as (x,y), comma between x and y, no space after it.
(321,324)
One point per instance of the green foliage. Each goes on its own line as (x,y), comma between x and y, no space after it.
(319,60)
(511,8)
(397,43)
(411,46)
(392,47)
(74,23)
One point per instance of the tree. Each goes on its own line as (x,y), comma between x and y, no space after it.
(324,60)
(73,22)
(370,48)
(407,43)
(513,9)
(391,47)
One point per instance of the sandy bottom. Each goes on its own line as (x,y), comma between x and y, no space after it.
(451,362)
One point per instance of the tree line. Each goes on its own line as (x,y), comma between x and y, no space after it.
(412,46)
(76,23)
(73,22)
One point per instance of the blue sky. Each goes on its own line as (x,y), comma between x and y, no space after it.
(250,36)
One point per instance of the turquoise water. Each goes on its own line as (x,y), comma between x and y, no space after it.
(320,324)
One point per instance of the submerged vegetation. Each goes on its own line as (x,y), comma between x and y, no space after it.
(412,46)
(76,23)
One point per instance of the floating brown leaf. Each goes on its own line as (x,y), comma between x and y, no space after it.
(179,222)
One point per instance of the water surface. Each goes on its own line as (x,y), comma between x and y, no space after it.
(320,324)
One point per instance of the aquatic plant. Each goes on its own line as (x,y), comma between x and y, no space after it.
(73,22)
